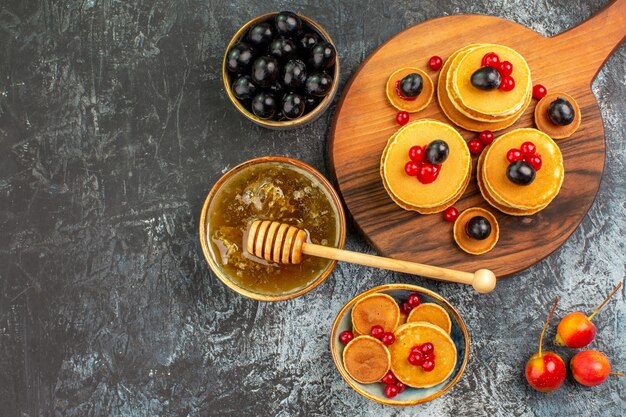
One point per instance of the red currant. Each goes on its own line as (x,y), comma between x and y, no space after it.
(505,68)
(514,155)
(539,92)
(401,387)
(389,379)
(435,62)
(405,308)
(507,83)
(416,359)
(416,349)
(416,153)
(535,161)
(450,214)
(491,60)
(427,348)
(411,168)
(402,118)
(475,146)
(388,338)
(391,391)
(428,366)
(346,336)
(427,173)
(377,332)
(414,300)
(528,149)
(486,137)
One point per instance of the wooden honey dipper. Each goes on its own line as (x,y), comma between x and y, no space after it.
(282,243)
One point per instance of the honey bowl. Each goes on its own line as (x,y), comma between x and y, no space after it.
(270,188)
(458,335)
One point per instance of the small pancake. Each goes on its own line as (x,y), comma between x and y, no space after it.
(548,180)
(470,245)
(543,122)
(431,313)
(423,98)
(495,102)
(366,359)
(452,176)
(412,334)
(375,309)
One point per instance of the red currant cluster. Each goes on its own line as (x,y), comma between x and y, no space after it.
(418,167)
(424,356)
(377,332)
(527,153)
(393,387)
(413,301)
(484,139)
(505,68)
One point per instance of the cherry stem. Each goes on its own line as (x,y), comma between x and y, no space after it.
(617,373)
(545,326)
(606,300)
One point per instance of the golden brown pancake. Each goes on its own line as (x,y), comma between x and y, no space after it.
(366,359)
(375,309)
(543,122)
(431,313)
(423,98)
(469,244)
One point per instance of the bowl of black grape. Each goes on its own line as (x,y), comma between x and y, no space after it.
(281,70)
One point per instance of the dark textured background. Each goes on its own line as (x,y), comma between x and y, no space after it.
(113,127)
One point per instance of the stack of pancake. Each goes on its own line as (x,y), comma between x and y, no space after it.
(477,110)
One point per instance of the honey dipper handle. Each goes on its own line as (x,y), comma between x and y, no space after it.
(483,280)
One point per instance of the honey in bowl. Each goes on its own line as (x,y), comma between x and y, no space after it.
(270,191)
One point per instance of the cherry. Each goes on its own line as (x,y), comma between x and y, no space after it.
(346,336)
(514,155)
(428,366)
(505,68)
(389,379)
(450,214)
(486,137)
(391,391)
(401,387)
(491,59)
(435,62)
(416,358)
(377,332)
(411,168)
(388,338)
(402,118)
(539,91)
(475,146)
(427,348)
(507,83)
(535,161)
(427,173)
(414,300)
(405,308)
(416,153)
(528,149)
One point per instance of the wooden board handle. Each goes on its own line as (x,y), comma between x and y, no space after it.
(483,280)
(593,41)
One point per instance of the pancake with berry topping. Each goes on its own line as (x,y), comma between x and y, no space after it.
(375,309)
(402,102)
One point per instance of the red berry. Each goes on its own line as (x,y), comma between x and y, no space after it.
(450,214)
(535,161)
(411,168)
(416,349)
(414,300)
(416,359)
(428,366)
(435,62)
(514,155)
(401,387)
(539,91)
(507,83)
(389,379)
(388,338)
(416,153)
(528,149)
(405,308)
(427,348)
(475,146)
(505,68)
(486,137)
(377,332)
(429,357)
(402,118)
(346,336)
(391,391)
(491,59)
(427,173)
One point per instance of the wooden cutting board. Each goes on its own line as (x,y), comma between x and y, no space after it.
(364,120)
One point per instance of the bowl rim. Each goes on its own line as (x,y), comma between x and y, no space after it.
(312,115)
(222,276)
(410,287)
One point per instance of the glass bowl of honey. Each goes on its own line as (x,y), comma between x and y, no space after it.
(270,188)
